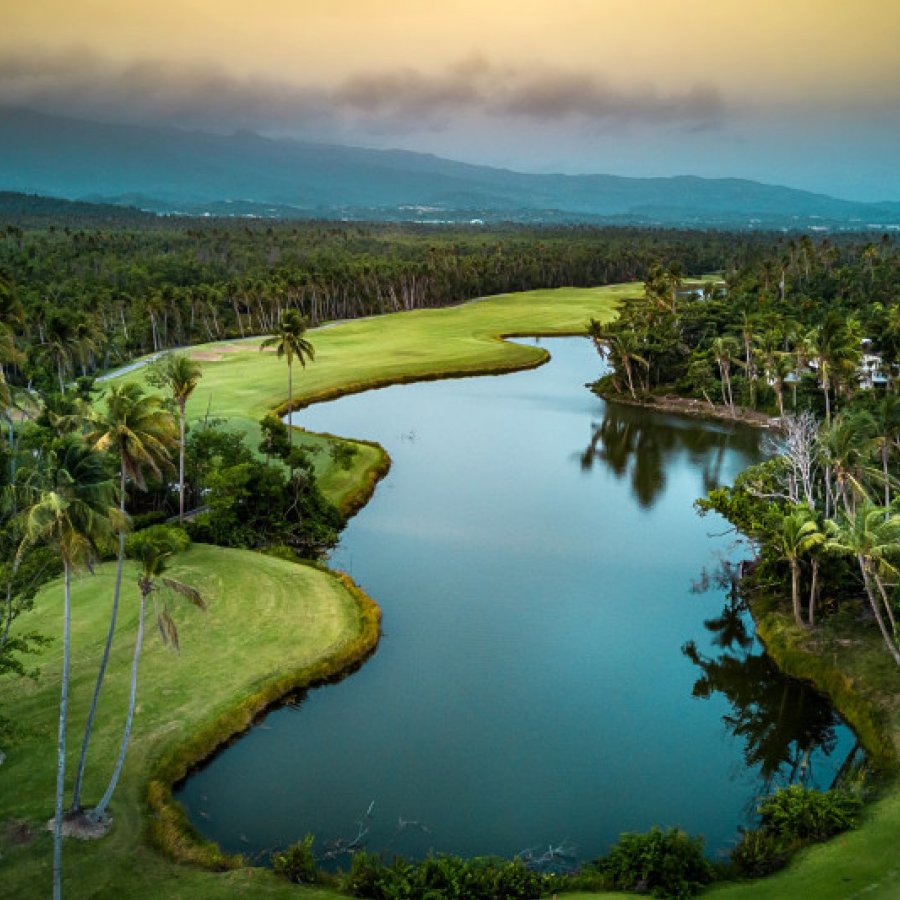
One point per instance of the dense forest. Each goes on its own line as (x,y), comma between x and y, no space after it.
(93,294)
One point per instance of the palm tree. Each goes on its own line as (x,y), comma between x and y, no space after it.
(872,540)
(725,349)
(71,504)
(136,427)
(796,535)
(837,348)
(886,418)
(289,342)
(181,375)
(152,548)
(844,448)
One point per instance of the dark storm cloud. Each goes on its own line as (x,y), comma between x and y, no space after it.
(80,83)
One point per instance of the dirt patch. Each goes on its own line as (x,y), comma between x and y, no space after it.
(18,833)
(78,825)
(206,355)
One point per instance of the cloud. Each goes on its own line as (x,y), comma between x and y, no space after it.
(403,100)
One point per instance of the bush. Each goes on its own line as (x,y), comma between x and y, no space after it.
(808,815)
(297,863)
(663,863)
(760,853)
(444,878)
(789,819)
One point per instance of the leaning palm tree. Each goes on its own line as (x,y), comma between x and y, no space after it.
(152,548)
(797,534)
(873,541)
(137,428)
(181,375)
(70,505)
(289,342)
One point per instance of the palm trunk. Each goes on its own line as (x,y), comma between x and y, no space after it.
(813,590)
(61,740)
(181,450)
(888,639)
(117,590)
(795,592)
(290,417)
(628,375)
(887,602)
(97,813)
(885,452)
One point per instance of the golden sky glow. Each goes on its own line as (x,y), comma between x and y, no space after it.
(707,64)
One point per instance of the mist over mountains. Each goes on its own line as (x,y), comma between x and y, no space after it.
(169,170)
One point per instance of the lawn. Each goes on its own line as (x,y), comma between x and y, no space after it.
(298,616)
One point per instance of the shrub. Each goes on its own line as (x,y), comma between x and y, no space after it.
(297,863)
(808,815)
(444,878)
(663,863)
(760,853)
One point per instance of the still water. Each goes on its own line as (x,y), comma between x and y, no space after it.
(562,657)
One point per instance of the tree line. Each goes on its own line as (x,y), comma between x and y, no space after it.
(93,295)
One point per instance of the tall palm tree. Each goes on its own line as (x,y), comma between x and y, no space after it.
(844,446)
(725,349)
(886,418)
(289,342)
(152,548)
(137,428)
(797,534)
(872,540)
(71,504)
(837,347)
(181,375)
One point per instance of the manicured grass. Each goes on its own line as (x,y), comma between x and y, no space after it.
(266,619)
(241,384)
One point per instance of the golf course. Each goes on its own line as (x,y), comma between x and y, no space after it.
(273,627)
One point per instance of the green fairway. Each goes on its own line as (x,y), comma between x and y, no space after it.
(273,624)
(241,384)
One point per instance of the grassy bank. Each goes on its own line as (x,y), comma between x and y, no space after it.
(303,622)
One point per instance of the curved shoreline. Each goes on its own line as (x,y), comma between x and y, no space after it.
(176,837)
(170,831)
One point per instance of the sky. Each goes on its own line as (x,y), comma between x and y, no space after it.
(794,92)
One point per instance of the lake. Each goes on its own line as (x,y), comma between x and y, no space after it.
(562,657)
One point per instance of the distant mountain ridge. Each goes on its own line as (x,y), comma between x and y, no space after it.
(171,170)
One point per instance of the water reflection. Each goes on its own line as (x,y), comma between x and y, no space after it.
(784,724)
(642,445)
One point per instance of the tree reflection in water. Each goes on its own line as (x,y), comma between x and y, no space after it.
(641,444)
(783,722)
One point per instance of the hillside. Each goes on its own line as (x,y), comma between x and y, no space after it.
(171,170)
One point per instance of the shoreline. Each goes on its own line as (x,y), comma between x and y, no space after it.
(693,408)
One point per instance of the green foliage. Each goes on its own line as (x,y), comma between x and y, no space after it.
(809,815)
(445,877)
(791,818)
(663,863)
(760,853)
(297,863)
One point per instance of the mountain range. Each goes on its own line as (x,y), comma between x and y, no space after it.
(170,170)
